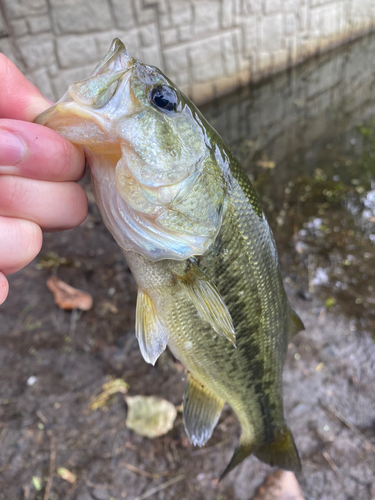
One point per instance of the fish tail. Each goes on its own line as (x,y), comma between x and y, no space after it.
(282,452)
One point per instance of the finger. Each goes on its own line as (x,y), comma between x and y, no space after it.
(20,99)
(51,205)
(4,288)
(20,242)
(37,152)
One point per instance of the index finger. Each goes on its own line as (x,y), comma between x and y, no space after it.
(36,152)
(20,99)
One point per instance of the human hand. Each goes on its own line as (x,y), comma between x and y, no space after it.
(38,170)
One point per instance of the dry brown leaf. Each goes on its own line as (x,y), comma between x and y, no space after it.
(67,297)
(280,485)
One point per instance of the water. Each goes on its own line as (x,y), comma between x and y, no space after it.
(307,141)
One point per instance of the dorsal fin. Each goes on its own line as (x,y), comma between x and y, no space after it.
(152,335)
(201,411)
(208,301)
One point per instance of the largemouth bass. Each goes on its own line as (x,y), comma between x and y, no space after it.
(198,244)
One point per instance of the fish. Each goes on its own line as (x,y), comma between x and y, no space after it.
(198,244)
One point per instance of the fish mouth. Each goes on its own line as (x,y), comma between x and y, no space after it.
(86,100)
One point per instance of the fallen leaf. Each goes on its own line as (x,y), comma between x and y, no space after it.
(67,297)
(280,485)
(109,389)
(150,416)
(266,164)
(66,475)
(37,483)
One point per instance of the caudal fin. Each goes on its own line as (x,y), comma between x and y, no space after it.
(281,453)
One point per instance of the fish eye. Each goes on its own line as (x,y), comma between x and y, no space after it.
(164,98)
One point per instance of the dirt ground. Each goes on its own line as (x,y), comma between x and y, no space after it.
(329,394)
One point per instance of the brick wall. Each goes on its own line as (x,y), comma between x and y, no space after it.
(208,47)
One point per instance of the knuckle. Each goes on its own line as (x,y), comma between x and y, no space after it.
(79,207)
(11,194)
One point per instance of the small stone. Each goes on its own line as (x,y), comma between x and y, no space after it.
(176,59)
(19,27)
(149,36)
(181,12)
(185,33)
(80,16)
(169,37)
(123,13)
(84,496)
(22,8)
(37,50)
(75,50)
(31,380)
(206,16)
(100,494)
(39,24)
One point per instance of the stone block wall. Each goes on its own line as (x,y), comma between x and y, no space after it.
(208,47)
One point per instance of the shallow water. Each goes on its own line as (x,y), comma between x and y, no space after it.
(307,141)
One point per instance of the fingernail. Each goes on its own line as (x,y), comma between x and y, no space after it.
(12,148)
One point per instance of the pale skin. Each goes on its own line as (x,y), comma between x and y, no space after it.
(39,171)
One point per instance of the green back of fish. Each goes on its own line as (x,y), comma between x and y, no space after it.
(243,266)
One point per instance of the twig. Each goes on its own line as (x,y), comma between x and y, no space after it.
(141,472)
(52,457)
(310,464)
(42,417)
(74,317)
(5,468)
(160,487)
(26,492)
(203,451)
(332,464)
(349,424)
(3,435)
(97,485)
(75,486)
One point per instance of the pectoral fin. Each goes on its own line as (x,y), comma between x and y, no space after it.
(152,335)
(208,301)
(201,412)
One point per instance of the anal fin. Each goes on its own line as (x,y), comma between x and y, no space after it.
(152,335)
(201,411)
(208,301)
